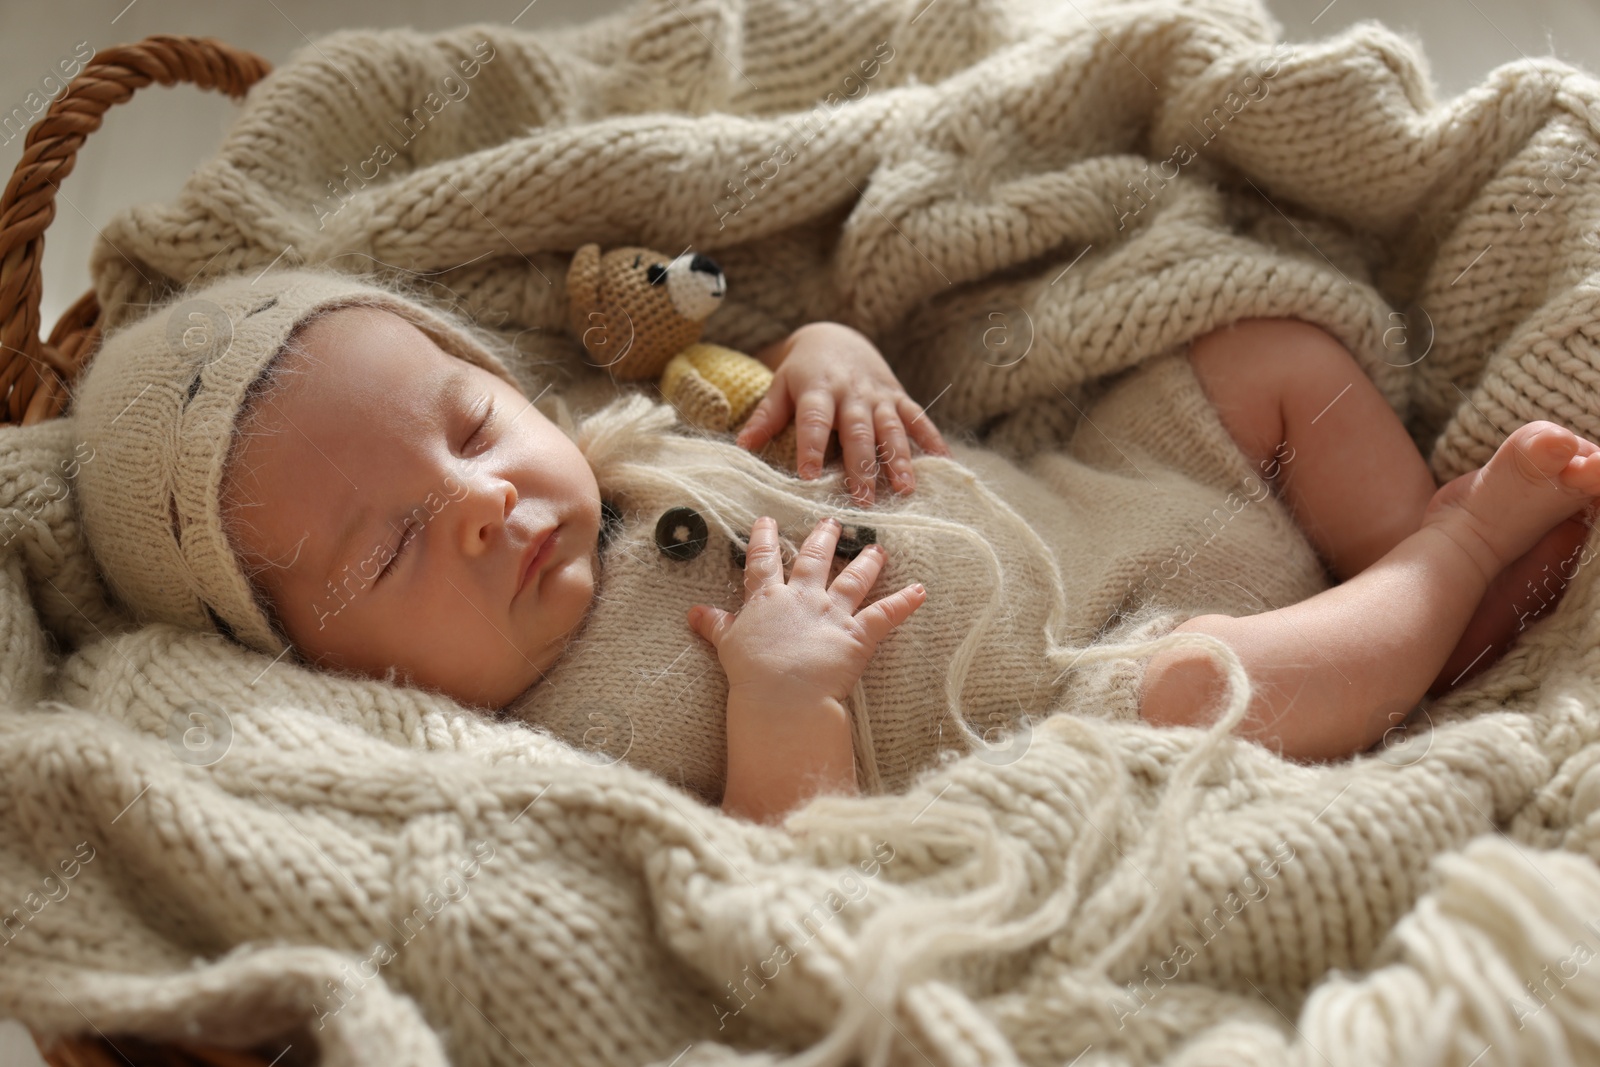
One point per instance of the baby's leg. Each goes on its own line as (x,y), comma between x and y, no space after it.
(1331,674)
(1301,408)
(1299,405)
(1522,594)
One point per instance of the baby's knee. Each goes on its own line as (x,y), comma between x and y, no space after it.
(1260,351)
(1184,685)
(1257,371)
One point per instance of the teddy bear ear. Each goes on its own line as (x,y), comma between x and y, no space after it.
(583,286)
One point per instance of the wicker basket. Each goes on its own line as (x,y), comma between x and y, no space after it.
(129,1052)
(36,374)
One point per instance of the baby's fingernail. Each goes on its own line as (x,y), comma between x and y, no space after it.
(919,589)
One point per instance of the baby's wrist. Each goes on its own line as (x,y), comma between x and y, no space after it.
(774,689)
(780,754)
(770,719)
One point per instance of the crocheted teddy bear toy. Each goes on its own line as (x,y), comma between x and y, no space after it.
(640,315)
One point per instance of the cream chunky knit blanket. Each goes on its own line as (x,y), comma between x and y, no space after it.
(1015,199)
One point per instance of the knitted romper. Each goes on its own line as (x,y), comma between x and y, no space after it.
(1149,515)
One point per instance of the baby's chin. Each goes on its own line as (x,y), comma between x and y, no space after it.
(572,598)
(516,672)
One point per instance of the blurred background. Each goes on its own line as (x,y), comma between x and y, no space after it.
(148,146)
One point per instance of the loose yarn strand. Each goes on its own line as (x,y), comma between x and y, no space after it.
(903,945)
(1172,815)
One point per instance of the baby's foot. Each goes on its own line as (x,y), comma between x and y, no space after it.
(1527,590)
(1541,475)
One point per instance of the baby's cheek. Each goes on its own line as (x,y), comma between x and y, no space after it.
(569,596)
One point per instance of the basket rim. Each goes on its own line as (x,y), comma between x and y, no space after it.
(36,374)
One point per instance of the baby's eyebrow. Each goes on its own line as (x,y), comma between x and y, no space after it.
(452,393)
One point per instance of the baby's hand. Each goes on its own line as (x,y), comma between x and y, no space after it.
(799,644)
(832,375)
(792,654)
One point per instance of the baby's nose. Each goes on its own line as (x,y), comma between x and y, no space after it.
(486,511)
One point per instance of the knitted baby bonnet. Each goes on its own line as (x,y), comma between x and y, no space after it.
(158,406)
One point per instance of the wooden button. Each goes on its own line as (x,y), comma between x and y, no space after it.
(852,539)
(682,534)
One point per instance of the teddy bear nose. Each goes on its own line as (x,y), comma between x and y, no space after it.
(704,264)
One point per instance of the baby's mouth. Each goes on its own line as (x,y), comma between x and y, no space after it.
(534,558)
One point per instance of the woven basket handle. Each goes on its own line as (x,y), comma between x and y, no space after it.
(34,374)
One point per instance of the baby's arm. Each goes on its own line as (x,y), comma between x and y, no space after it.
(828,375)
(792,654)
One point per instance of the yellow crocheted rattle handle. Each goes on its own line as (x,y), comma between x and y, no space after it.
(716,389)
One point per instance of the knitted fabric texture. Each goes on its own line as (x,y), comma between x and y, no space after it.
(1025,564)
(197,844)
(738,383)
(157,410)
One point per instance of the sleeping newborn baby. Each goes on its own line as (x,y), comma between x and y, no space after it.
(315,465)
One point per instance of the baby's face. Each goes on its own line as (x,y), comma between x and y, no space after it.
(379,443)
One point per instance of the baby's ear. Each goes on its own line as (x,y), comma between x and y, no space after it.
(583,286)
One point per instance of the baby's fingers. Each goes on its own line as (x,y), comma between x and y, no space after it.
(813,424)
(859,442)
(859,576)
(767,420)
(882,616)
(812,562)
(710,623)
(763,560)
(921,428)
(896,450)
